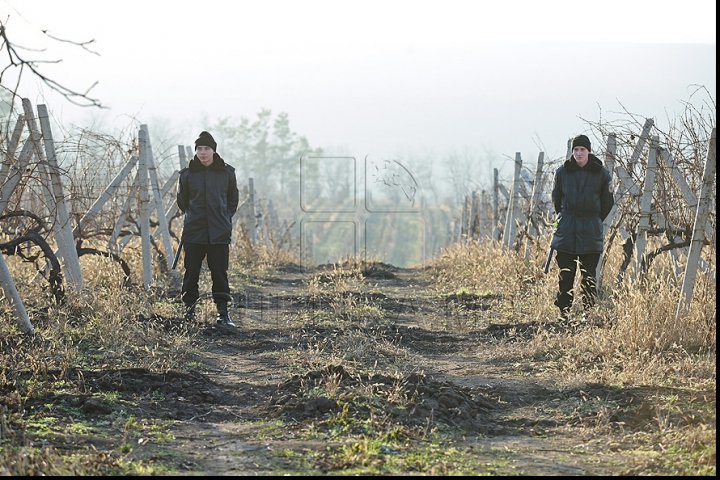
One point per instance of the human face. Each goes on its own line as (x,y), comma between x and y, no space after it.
(205,155)
(581,156)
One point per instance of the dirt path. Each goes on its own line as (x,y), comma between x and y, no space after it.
(238,412)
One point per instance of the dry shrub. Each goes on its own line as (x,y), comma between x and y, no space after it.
(103,328)
(487,269)
(261,254)
(273,245)
(644,312)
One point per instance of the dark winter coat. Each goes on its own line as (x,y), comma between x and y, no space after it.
(209,197)
(582,199)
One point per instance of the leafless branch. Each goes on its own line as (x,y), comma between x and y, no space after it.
(83,45)
(16,61)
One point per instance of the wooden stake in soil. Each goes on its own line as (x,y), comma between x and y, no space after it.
(703,208)
(13,296)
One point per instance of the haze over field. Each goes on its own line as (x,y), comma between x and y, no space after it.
(505,76)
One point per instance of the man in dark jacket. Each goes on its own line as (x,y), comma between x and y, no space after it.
(582,199)
(208,195)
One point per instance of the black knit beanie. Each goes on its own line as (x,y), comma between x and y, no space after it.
(581,141)
(206,140)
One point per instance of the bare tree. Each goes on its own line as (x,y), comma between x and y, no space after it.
(18,63)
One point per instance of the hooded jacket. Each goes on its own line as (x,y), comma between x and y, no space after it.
(209,198)
(582,199)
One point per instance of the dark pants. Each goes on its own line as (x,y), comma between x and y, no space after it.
(218,259)
(568,263)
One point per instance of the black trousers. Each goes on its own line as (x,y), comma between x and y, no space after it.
(568,264)
(218,259)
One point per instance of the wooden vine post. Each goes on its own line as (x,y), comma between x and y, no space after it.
(698,236)
(626,186)
(113,244)
(159,206)
(62,227)
(512,211)
(7,175)
(687,192)
(475,215)
(12,148)
(645,208)
(609,157)
(496,205)
(106,195)
(183,153)
(11,174)
(251,215)
(13,296)
(483,215)
(464,219)
(172,211)
(534,212)
(145,210)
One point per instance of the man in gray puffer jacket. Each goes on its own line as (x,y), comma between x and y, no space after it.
(582,199)
(208,195)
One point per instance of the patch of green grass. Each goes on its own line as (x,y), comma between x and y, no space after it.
(157,430)
(41,427)
(269,429)
(125,447)
(81,428)
(61,407)
(295,463)
(689,451)
(64,386)
(338,425)
(153,428)
(400,451)
(24,461)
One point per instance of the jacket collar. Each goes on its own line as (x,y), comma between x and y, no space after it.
(217,164)
(593,165)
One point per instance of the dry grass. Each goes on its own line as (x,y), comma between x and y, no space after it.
(641,340)
(638,340)
(344,328)
(633,337)
(117,328)
(269,248)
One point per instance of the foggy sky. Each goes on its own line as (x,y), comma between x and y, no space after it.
(370,77)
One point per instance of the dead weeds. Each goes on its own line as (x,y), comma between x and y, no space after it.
(352,369)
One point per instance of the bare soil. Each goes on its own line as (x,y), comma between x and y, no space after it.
(506,415)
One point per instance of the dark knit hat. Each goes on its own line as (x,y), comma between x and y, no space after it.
(206,140)
(581,141)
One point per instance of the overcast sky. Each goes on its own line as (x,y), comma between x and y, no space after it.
(376,76)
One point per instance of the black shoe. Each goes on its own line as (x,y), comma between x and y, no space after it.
(224,319)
